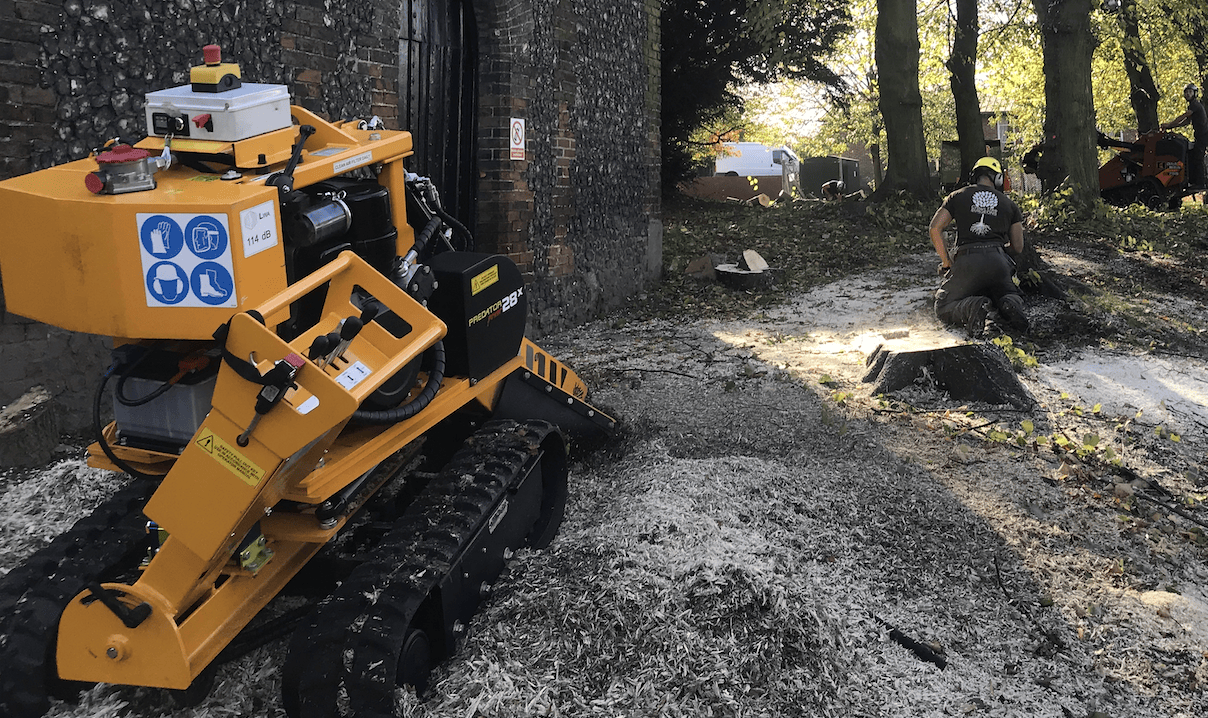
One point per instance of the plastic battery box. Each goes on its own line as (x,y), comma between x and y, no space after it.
(169,420)
(230,116)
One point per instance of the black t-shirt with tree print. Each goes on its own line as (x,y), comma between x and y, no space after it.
(982,214)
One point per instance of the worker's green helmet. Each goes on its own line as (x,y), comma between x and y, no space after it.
(987,166)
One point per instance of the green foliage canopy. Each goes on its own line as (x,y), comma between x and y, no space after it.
(828,105)
(711,46)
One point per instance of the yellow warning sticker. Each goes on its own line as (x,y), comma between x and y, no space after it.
(229,456)
(484,280)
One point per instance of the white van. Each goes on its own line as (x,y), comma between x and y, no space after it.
(748,159)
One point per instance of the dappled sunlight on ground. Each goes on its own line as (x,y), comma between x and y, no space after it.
(1172,391)
(832,329)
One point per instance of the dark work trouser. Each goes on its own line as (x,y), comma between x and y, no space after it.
(1195,158)
(977,274)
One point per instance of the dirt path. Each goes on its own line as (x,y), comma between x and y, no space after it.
(1054,584)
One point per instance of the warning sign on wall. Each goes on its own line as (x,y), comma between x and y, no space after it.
(516,138)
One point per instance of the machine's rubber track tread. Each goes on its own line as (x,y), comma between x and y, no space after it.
(358,630)
(33,596)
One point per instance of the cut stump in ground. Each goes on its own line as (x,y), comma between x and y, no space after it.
(29,430)
(969,372)
(751,272)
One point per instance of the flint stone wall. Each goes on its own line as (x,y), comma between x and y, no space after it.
(579,215)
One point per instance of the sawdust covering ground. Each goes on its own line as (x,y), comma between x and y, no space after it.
(764,529)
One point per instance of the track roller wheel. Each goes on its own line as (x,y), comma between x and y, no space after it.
(415,661)
(1151,193)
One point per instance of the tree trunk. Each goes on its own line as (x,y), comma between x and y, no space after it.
(1035,275)
(878,174)
(962,66)
(1069,104)
(1143,93)
(897,51)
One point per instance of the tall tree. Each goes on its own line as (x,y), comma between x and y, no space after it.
(1143,92)
(962,66)
(1069,105)
(897,51)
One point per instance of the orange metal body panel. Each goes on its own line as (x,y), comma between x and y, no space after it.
(85,262)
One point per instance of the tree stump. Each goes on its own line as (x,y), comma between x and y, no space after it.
(29,430)
(969,372)
(751,272)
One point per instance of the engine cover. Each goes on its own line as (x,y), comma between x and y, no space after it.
(481,299)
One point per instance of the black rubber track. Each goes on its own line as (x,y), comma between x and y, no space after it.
(33,595)
(352,641)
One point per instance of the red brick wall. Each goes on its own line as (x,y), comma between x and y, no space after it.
(580,214)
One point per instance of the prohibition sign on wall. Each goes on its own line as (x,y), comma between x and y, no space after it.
(516,138)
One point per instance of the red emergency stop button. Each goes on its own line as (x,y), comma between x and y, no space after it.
(93,183)
(121,153)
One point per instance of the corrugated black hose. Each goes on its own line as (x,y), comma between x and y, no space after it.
(436,374)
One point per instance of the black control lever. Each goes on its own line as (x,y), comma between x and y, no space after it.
(130,617)
(348,331)
(319,348)
(284,180)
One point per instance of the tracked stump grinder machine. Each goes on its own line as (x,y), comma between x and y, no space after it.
(1152,171)
(317,387)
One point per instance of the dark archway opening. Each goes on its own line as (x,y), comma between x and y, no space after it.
(438,76)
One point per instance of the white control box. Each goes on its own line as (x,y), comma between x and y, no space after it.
(229,116)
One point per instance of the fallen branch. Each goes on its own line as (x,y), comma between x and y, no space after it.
(1050,636)
(921,650)
(1171,507)
(660,371)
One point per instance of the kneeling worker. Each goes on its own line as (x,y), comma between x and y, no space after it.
(978,274)
(832,191)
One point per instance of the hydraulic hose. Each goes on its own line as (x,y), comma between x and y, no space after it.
(100,430)
(425,235)
(452,222)
(428,197)
(120,389)
(436,374)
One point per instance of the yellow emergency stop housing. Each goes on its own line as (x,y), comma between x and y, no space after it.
(215,75)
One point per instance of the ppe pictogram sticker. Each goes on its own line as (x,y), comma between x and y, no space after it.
(186,260)
(167,283)
(161,236)
(212,283)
